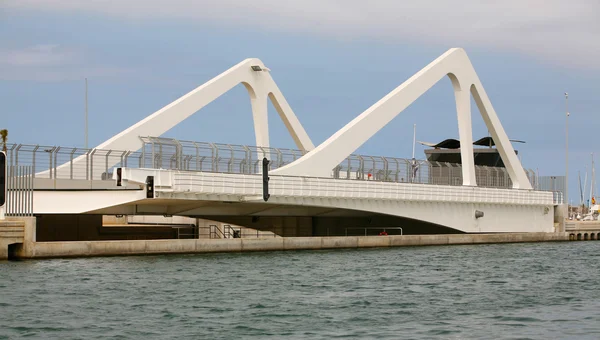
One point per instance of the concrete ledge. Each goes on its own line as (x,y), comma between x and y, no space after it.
(373,241)
(117,247)
(302,243)
(170,246)
(265,244)
(406,240)
(16,233)
(12,223)
(60,249)
(141,247)
(340,242)
(435,240)
(221,246)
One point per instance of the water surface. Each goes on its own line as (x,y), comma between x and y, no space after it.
(525,291)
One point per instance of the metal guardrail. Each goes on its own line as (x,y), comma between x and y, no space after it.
(186,182)
(19,185)
(227,231)
(57,162)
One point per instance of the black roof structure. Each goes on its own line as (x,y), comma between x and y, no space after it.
(447,151)
(452,143)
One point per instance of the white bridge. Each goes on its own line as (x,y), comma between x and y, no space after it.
(309,187)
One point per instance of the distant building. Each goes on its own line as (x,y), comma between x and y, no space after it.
(489,167)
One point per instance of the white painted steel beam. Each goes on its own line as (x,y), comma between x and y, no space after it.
(452,206)
(454,64)
(260,86)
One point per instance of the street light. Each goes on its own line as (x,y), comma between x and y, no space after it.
(567,152)
(86,114)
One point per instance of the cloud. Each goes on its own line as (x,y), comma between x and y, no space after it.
(554,31)
(51,62)
(38,55)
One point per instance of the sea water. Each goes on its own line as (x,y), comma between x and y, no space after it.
(525,291)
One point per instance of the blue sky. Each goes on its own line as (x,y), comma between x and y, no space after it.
(331,59)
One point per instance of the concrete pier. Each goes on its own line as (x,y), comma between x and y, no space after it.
(20,234)
(583,230)
(145,247)
(11,232)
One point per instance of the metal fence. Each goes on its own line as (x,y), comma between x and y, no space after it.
(551,183)
(166,153)
(19,185)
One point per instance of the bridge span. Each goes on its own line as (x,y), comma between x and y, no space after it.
(224,183)
(316,188)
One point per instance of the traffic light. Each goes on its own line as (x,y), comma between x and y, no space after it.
(119,177)
(265,174)
(2,178)
(150,187)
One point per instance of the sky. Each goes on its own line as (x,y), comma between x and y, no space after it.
(332,59)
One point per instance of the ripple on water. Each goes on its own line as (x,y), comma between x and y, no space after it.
(513,290)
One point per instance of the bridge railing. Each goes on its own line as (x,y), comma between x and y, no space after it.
(57,162)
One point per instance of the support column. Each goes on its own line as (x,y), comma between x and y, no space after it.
(465,132)
(261,122)
(3,251)
(509,157)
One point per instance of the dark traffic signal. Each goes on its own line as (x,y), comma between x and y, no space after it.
(2,178)
(265,174)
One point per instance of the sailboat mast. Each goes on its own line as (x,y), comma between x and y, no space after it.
(592,181)
(585,185)
(593,177)
(580,189)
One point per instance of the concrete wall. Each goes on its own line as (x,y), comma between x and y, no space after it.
(11,232)
(52,228)
(141,247)
(15,231)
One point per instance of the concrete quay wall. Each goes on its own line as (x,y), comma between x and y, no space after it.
(147,247)
(12,231)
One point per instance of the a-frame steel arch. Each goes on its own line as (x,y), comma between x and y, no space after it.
(455,64)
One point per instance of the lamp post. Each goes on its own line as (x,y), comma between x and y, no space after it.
(86,114)
(567,152)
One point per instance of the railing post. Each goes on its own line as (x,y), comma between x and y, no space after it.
(124,157)
(91,169)
(56,161)
(361,168)
(248,160)
(87,165)
(216,159)
(71,163)
(17,154)
(11,151)
(143,154)
(279,158)
(198,168)
(178,154)
(33,160)
(50,168)
(106,164)
(349,168)
(385,169)
(230,163)
(153,155)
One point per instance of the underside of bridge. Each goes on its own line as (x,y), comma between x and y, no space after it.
(285,219)
(358,225)
(280,220)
